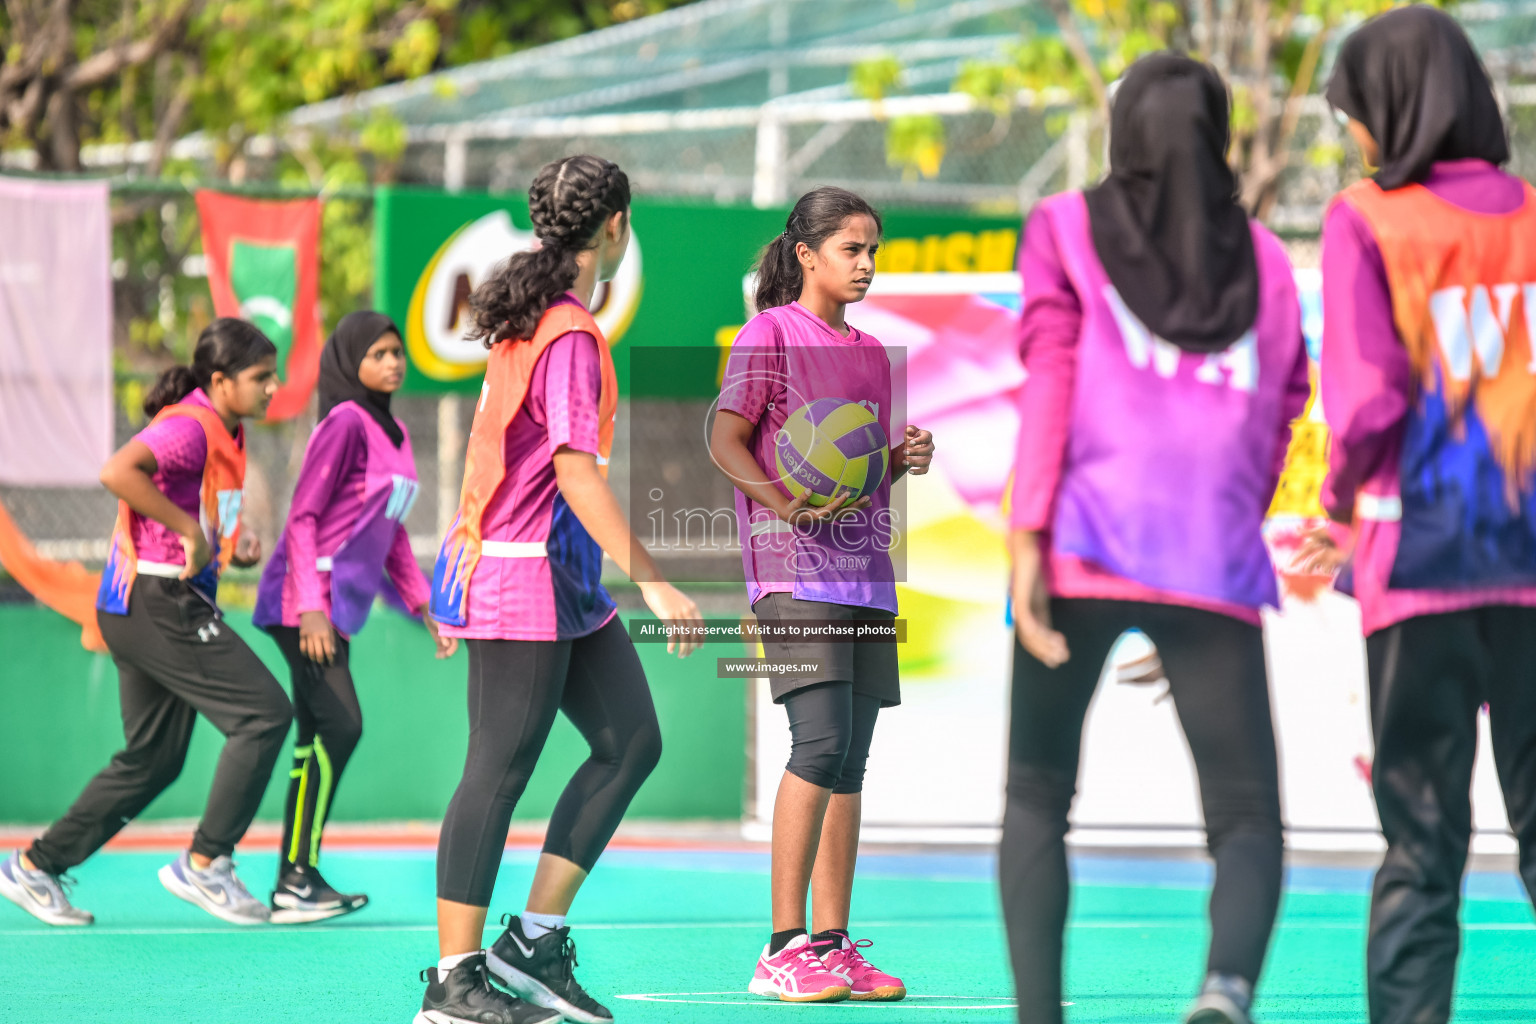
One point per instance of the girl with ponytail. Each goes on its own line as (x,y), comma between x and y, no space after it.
(518,578)
(178,484)
(800,350)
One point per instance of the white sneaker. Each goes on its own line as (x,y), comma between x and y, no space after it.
(40,894)
(216,889)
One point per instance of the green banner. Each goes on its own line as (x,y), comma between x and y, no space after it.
(680,285)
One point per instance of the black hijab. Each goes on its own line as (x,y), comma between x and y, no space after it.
(1412,78)
(1165,222)
(343,354)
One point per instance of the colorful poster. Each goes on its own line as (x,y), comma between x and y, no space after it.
(55,333)
(263,266)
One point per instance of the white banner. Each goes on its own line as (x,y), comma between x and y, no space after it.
(55,332)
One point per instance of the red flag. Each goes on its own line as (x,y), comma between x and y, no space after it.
(264,266)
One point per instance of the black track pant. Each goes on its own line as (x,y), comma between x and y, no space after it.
(330,726)
(1215,667)
(515,689)
(1429,676)
(830,729)
(176,659)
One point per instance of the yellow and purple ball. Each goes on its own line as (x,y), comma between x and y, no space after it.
(831,445)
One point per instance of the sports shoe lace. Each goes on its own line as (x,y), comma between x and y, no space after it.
(236,886)
(66,884)
(852,952)
(568,957)
(809,960)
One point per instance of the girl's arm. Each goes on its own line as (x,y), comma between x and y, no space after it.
(404,572)
(1048,332)
(128,475)
(590,498)
(1366,379)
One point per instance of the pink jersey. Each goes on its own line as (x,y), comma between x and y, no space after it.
(180,452)
(547,585)
(786,358)
(328,501)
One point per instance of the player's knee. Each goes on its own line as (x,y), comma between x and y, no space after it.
(643,751)
(819,761)
(271,723)
(343,737)
(1045,789)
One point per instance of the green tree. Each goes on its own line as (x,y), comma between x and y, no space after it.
(75,73)
(1268,50)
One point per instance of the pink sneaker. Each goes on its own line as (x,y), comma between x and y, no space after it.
(795,975)
(865,979)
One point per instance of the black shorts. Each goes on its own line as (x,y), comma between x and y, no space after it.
(870,667)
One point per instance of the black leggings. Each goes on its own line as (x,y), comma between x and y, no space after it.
(176,659)
(1429,675)
(830,728)
(515,688)
(330,725)
(1215,667)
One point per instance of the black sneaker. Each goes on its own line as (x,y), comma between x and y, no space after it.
(465,995)
(539,970)
(302,896)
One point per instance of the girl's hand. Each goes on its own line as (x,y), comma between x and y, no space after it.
(1032,604)
(798,513)
(447,646)
(247,551)
(674,608)
(316,637)
(1320,554)
(916,452)
(195,545)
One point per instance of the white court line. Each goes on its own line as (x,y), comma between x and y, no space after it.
(909,1003)
(963,922)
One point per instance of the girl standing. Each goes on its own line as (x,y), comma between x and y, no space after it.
(178,526)
(1429,389)
(1162,338)
(345,535)
(800,349)
(518,578)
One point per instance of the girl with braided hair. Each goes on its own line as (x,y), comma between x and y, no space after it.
(518,578)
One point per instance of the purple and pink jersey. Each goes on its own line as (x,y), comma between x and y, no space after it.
(181,451)
(786,358)
(1368,389)
(539,574)
(1148,470)
(349,506)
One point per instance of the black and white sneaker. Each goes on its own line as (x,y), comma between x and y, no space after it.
(465,995)
(302,896)
(540,969)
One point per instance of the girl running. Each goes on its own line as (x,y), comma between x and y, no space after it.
(345,535)
(518,578)
(178,526)
(797,350)
(1162,336)
(1429,389)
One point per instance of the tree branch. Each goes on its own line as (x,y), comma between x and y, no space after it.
(1078,46)
(170,122)
(102,67)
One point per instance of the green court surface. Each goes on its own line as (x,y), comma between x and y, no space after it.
(672,935)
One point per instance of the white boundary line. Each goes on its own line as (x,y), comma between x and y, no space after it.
(909,1003)
(1131,924)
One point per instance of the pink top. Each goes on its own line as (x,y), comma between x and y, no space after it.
(327,501)
(1051,326)
(559,596)
(1367,387)
(787,358)
(181,452)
